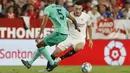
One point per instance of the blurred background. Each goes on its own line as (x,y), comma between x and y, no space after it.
(114,9)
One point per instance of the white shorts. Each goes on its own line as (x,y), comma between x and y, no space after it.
(69,42)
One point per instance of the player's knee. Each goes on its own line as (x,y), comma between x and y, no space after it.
(78,47)
(57,51)
(41,44)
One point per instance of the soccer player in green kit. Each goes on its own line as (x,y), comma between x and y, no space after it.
(58,16)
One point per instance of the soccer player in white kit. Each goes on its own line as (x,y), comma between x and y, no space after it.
(75,39)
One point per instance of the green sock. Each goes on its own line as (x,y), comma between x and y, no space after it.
(46,54)
(37,54)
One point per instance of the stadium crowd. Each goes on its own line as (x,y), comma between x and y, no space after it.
(97,9)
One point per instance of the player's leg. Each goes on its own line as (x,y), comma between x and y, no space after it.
(29,63)
(48,63)
(60,48)
(37,54)
(55,53)
(76,48)
(51,40)
(49,67)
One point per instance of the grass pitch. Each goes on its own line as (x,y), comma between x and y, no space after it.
(65,69)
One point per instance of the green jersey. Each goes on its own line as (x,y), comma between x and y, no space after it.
(58,15)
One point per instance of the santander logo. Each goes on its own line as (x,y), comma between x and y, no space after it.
(115,53)
(16,54)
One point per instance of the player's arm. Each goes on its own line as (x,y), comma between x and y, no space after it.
(89,31)
(90,35)
(44,22)
(74,21)
(89,27)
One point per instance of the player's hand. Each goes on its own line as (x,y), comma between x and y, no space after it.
(90,43)
(77,28)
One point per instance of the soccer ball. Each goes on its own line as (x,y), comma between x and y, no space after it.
(86,67)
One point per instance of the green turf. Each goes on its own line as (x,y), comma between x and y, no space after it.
(65,69)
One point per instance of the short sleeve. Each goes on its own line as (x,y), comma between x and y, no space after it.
(47,11)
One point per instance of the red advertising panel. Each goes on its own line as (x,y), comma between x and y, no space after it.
(104,52)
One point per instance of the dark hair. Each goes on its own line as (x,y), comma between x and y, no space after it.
(51,0)
(32,5)
(87,1)
(95,6)
(78,3)
(127,2)
(9,8)
(107,9)
(17,13)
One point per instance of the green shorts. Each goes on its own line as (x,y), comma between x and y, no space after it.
(54,38)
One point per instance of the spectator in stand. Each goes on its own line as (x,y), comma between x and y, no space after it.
(5,8)
(62,3)
(107,3)
(10,13)
(127,1)
(36,3)
(94,2)
(87,6)
(31,11)
(113,2)
(104,2)
(126,17)
(69,4)
(94,15)
(120,4)
(12,3)
(21,3)
(19,12)
(104,11)
(126,10)
(4,2)
(117,14)
(28,2)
